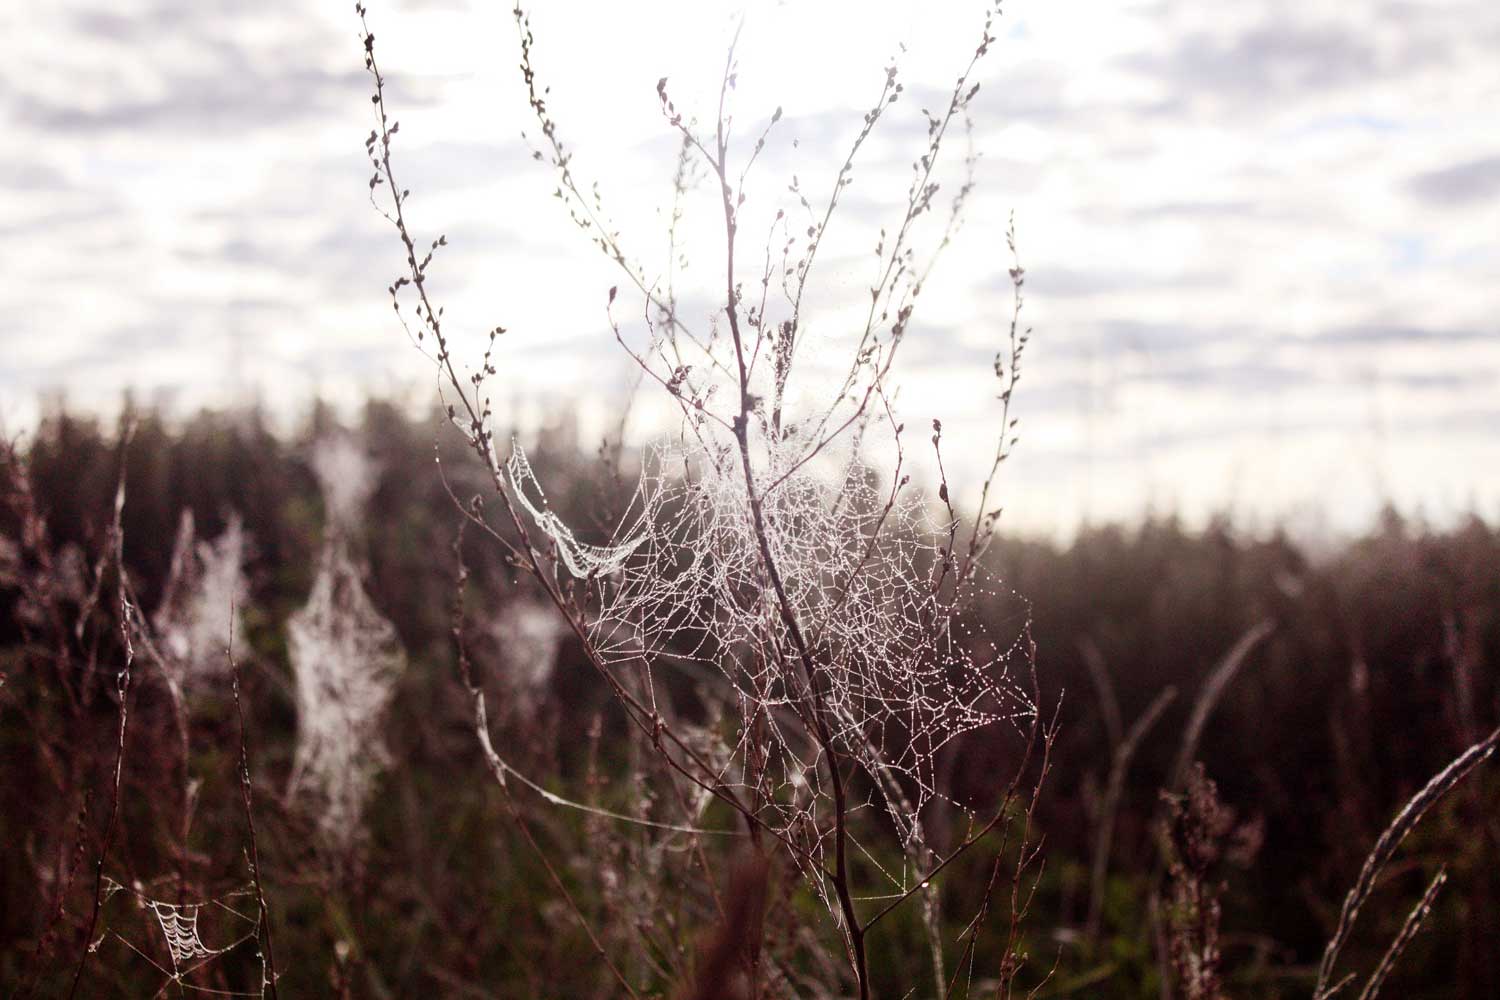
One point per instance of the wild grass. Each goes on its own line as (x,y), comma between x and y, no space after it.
(447,895)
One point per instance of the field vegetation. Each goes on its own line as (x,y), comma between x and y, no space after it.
(1371,668)
(743,712)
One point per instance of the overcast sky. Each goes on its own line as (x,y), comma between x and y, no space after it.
(1260,237)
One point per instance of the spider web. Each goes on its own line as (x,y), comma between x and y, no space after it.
(178,926)
(582,559)
(346,657)
(897,670)
(201,604)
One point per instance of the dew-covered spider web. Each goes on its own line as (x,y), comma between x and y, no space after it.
(169,936)
(201,605)
(179,925)
(581,559)
(886,654)
(346,657)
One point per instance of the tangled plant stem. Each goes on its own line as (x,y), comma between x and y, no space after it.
(830,608)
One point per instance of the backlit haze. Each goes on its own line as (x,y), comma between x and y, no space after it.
(1260,238)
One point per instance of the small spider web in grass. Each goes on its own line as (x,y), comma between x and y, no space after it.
(234,917)
(179,925)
